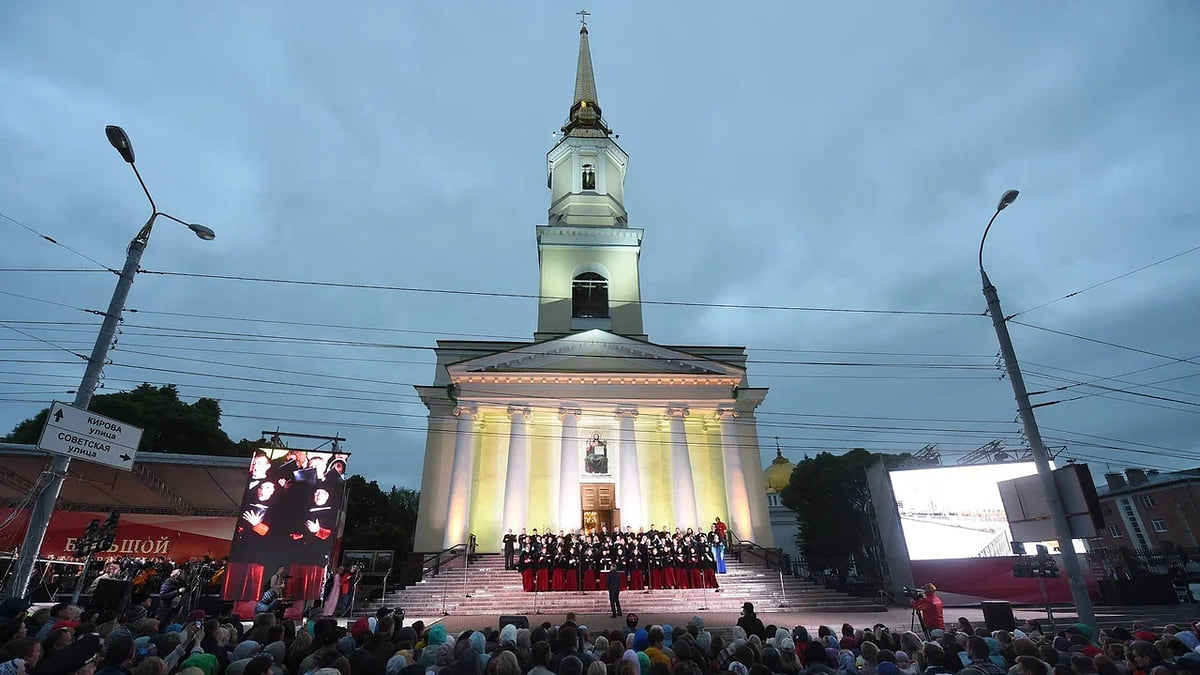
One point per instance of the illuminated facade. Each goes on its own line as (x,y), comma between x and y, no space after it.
(590,423)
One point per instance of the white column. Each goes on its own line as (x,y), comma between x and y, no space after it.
(736,497)
(435,478)
(516,478)
(570,514)
(629,489)
(458,504)
(756,487)
(682,484)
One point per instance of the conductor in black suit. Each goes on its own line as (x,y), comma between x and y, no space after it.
(614,590)
(510,551)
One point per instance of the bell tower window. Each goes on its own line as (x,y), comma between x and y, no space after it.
(589,177)
(589,296)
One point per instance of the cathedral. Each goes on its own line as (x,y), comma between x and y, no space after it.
(589,424)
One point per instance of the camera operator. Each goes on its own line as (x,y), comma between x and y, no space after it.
(930,607)
(279,580)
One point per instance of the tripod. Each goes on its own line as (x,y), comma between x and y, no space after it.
(915,621)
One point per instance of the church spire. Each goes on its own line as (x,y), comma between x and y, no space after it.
(585,109)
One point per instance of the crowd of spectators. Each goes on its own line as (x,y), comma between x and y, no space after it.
(63,640)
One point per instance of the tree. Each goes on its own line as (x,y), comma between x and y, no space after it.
(378,520)
(830,497)
(170,424)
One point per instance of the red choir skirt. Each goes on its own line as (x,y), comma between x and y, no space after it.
(656,579)
(603,580)
(527,580)
(697,577)
(710,578)
(637,580)
(681,578)
(543,580)
(589,580)
(558,581)
(572,580)
(668,574)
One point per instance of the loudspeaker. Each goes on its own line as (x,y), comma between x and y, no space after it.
(518,620)
(112,595)
(998,615)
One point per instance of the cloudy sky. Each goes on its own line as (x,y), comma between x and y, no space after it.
(793,154)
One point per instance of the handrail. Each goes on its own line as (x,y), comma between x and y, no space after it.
(772,558)
(432,564)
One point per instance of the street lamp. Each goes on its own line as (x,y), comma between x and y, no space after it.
(39,518)
(1075,578)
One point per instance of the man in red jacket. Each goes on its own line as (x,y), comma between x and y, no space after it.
(930,607)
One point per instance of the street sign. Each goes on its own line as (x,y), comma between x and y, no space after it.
(80,434)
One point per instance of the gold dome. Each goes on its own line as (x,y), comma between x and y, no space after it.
(778,474)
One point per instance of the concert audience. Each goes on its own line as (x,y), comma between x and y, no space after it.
(382,645)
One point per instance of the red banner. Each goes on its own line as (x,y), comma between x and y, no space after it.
(139,536)
(966,581)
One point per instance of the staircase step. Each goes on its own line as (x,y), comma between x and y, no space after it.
(487,588)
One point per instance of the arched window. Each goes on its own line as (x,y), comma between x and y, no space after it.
(589,177)
(589,296)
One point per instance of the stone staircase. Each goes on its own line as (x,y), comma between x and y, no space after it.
(487,588)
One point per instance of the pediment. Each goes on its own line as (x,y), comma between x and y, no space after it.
(595,352)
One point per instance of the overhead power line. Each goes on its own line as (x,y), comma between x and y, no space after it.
(58,270)
(1115,378)
(54,241)
(530,296)
(1107,343)
(1105,395)
(1108,281)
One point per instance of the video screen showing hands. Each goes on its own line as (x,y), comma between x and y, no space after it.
(291,507)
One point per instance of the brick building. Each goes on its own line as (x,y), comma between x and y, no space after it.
(1147,509)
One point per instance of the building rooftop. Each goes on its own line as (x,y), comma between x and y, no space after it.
(1139,480)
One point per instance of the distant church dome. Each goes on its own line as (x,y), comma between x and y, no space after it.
(778,474)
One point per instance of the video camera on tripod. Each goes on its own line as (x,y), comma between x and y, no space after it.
(912,593)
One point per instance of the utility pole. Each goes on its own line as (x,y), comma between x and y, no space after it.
(1075,578)
(43,507)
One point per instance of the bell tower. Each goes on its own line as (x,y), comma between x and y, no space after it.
(587,253)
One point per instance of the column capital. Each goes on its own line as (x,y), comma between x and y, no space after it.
(569,411)
(726,411)
(630,411)
(468,411)
(522,410)
(680,411)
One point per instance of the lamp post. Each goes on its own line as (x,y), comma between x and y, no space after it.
(39,518)
(1075,579)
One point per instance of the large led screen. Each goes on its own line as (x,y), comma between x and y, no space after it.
(291,516)
(955,511)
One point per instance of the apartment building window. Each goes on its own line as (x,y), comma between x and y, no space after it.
(1147,501)
(1159,525)
(1114,532)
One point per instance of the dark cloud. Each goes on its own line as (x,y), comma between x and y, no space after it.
(781,154)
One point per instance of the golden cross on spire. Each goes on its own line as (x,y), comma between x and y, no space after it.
(583,15)
(778,450)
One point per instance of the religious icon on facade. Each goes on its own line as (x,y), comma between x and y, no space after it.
(595,458)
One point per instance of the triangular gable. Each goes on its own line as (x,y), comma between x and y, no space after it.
(595,351)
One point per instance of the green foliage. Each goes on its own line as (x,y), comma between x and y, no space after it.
(830,497)
(379,520)
(170,424)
